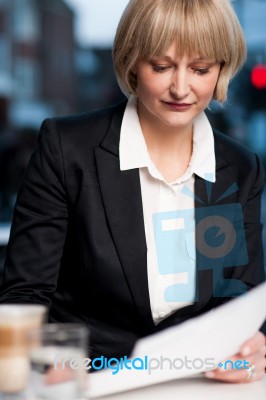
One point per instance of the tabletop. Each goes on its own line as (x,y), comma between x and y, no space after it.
(192,388)
(199,388)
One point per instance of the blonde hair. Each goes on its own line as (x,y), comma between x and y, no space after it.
(208,28)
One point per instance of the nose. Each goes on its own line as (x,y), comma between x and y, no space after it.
(180,85)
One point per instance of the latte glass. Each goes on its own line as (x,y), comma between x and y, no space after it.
(16,320)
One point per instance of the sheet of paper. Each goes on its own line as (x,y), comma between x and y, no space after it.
(216,335)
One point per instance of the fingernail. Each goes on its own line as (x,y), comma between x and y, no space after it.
(210,374)
(245,351)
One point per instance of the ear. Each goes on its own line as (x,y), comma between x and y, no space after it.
(134,71)
(133,82)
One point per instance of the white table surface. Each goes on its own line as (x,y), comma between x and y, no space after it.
(196,388)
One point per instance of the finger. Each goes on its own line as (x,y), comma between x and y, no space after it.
(239,356)
(240,376)
(229,363)
(237,362)
(235,376)
(55,376)
(253,344)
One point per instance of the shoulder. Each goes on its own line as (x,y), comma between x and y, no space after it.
(245,162)
(88,127)
(233,152)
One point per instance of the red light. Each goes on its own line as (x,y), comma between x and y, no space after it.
(258,76)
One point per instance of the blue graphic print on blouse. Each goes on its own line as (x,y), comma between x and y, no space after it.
(213,237)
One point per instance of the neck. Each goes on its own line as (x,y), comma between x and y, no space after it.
(169,148)
(163,136)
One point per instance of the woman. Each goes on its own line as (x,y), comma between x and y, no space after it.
(86,238)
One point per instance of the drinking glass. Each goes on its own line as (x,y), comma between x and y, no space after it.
(59,362)
(16,320)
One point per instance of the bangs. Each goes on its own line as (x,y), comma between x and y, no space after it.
(194,28)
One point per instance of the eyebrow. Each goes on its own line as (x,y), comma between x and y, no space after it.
(204,59)
(199,59)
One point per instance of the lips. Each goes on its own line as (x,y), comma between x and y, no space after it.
(180,104)
(177,106)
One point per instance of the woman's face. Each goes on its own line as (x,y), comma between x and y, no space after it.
(172,91)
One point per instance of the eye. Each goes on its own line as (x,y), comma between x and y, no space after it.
(201,71)
(160,68)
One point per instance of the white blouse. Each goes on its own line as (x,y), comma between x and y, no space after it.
(168,210)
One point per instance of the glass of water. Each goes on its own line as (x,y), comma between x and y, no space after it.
(59,362)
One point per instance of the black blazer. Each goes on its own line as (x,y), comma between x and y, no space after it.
(78,243)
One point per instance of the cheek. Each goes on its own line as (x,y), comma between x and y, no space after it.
(147,90)
(151,85)
(206,90)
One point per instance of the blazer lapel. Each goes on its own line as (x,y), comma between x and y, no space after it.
(121,195)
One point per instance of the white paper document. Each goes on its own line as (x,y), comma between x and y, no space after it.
(187,349)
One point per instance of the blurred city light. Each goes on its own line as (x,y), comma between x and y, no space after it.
(258,76)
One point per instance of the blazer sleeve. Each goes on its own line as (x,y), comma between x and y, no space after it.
(255,274)
(253,228)
(39,225)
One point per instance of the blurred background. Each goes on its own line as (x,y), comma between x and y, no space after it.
(55,59)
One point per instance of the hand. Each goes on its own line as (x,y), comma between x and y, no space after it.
(254,352)
(55,376)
